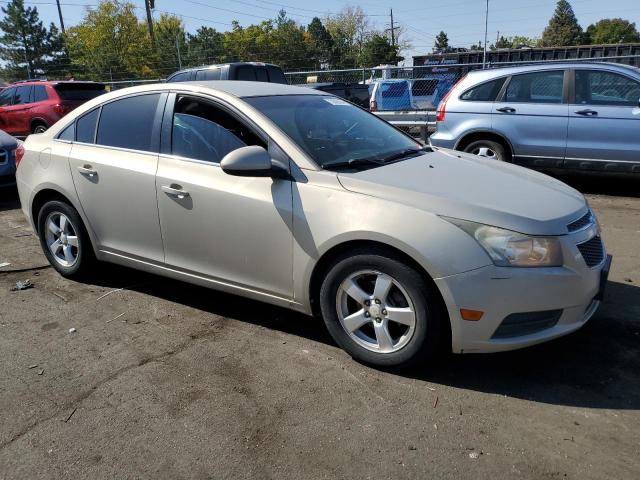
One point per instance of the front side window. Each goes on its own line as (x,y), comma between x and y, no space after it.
(204,132)
(538,87)
(23,95)
(6,96)
(276,75)
(595,87)
(485,92)
(331,130)
(128,123)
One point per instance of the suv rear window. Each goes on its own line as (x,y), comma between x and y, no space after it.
(485,92)
(79,92)
(276,75)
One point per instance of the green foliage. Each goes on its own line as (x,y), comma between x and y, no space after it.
(612,30)
(377,50)
(171,44)
(27,47)
(517,41)
(205,47)
(319,43)
(563,29)
(442,42)
(111,43)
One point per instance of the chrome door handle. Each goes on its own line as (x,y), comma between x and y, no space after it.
(87,170)
(506,110)
(175,191)
(587,112)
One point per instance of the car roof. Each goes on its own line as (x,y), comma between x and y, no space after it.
(53,82)
(502,71)
(218,65)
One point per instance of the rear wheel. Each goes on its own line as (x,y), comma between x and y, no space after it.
(39,128)
(380,310)
(489,149)
(64,239)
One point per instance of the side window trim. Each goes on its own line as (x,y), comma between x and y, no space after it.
(167,122)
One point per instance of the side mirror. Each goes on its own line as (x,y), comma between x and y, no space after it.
(253,161)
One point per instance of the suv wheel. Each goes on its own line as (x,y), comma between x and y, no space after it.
(64,239)
(488,149)
(380,310)
(40,128)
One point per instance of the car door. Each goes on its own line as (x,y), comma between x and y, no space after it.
(113,162)
(604,122)
(6,99)
(532,113)
(17,114)
(234,230)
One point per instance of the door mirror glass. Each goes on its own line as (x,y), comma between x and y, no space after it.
(253,161)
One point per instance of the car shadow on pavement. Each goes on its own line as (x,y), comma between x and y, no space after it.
(9,198)
(610,185)
(595,367)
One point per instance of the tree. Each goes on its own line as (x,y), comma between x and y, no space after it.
(476,46)
(26,45)
(563,29)
(319,43)
(111,42)
(171,44)
(205,47)
(612,30)
(349,29)
(442,43)
(377,50)
(502,43)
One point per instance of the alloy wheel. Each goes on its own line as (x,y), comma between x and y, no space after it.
(376,311)
(485,152)
(62,239)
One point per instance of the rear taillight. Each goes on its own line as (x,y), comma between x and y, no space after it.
(19,153)
(373,106)
(61,109)
(442,107)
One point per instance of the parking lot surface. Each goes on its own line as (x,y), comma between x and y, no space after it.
(162,379)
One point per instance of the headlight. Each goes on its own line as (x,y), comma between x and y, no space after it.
(513,249)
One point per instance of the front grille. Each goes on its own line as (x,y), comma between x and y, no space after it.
(586,219)
(592,251)
(520,324)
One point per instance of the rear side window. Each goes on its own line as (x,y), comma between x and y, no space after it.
(68,133)
(40,93)
(276,75)
(538,87)
(208,74)
(79,92)
(128,123)
(180,77)
(246,72)
(261,75)
(485,92)
(595,87)
(86,127)
(23,95)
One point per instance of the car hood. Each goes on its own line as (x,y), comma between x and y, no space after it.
(473,188)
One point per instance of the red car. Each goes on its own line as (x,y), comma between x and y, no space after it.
(33,106)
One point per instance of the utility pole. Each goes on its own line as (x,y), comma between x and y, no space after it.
(178,50)
(497,37)
(486,26)
(150,4)
(393,31)
(60,15)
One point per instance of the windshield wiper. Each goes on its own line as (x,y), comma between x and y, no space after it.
(355,162)
(403,154)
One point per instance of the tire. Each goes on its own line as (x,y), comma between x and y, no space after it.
(404,344)
(489,149)
(39,128)
(74,257)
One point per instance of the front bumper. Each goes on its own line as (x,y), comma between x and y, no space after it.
(572,291)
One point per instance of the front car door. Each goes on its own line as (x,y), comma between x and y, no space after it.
(604,122)
(533,114)
(6,99)
(19,112)
(113,162)
(234,231)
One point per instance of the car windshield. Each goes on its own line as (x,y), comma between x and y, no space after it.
(331,130)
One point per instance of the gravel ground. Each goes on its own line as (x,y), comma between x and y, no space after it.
(166,380)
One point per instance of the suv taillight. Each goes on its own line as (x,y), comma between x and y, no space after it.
(19,153)
(61,109)
(442,107)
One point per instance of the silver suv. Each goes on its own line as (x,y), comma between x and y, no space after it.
(580,116)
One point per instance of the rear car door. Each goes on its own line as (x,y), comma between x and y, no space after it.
(113,162)
(234,230)
(604,122)
(532,113)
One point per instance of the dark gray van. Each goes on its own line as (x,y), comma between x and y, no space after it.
(248,71)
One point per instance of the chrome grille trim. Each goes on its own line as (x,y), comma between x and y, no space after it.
(583,222)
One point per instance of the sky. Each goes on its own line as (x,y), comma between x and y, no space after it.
(462,20)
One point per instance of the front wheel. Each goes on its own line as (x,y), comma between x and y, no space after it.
(64,239)
(380,310)
(488,149)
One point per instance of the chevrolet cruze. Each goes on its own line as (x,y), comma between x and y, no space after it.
(300,199)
